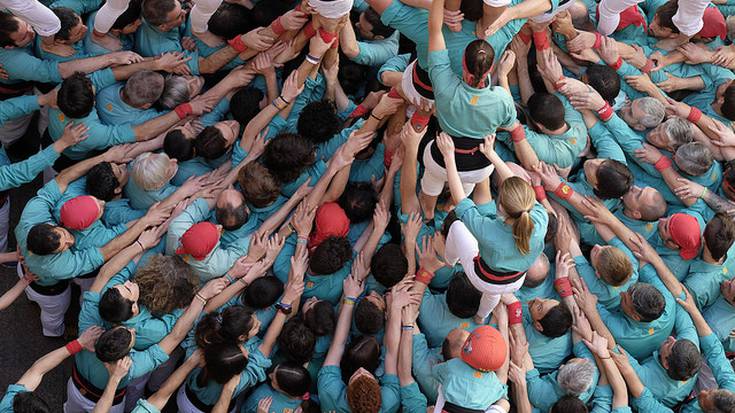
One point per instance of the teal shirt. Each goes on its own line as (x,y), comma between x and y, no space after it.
(93,48)
(377,52)
(423,360)
(314,172)
(79,6)
(544,391)
(495,237)
(119,211)
(53,267)
(13,175)
(668,391)
(143,406)
(412,400)
(547,353)
(150,42)
(18,106)
(205,50)
(97,235)
(721,318)
(397,63)
(704,281)
(142,199)
(112,110)
(543,290)
(6,404)
(282,403)
(607,295)
(466,387)
(333,391)
(78,47)
(22,65)
(373,168)
(465,111)
(437,321)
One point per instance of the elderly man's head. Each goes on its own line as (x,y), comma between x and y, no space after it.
(152,171)
(230,210)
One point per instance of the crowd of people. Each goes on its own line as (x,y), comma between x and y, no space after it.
(367,206)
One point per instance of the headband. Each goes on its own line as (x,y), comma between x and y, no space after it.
(332,9)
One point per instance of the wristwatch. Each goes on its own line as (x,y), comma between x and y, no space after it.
(283,307)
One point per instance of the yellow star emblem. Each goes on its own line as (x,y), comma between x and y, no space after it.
(61,117)
(109,106)
(309,284)
(651,331)
(474,99)
(464,325)
(478,374)
(725,270)
(573,141)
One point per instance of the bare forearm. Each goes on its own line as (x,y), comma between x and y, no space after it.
(271,85)
(155,126)
(182,326)
(717,203)
(12,294)
(274,330)
(216,60)
(337,348)
(172,384)
(520,397)
(87,65)
(405,354)
(122,241)
(105,402)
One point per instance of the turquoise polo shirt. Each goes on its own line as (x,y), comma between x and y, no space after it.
(367,170)
(547,353)
(22,65)
(423,360)
(18,106)
(80,7)
(13,175)
(607,295)
(714,355)
(544,290)
(314,172)
(397,63)
(205,50)
(721,318)
(93,48)
(495,237)
(333,391)
(282,403)
(467,387)
(544,391)
(112,110)
(119,211)
(6,404)
(704,281)
(150,42)
(53,267)
(78,47)
(678,266)
(97,235)
(142,199)
(376,52)
(143,406)
(437,321)
(666,390)
(412,400)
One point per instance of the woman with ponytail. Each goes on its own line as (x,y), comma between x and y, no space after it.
(494,249)
(288,389)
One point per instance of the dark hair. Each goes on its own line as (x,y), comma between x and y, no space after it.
(318,121)
(113,344)
(358,201)
(379,29)
(262,293)
(210,144)
(665,15)
(43,240)
(287,155)
(102,182)
(604,80)
(177,146)
(479,57)
(225,327)
(293,378)
(463,299)
(647,301)
(114,308)
(684,360)
(76,96)
(719,235)
(296,341)
(8,25)
(223,361)
(229,21)
(728,104)
(389,265)
(546,110)
(728,173)
(556,322)
(369,319)
(613,179)
(28,402)
(156,11)
(245,104)
(131,14)
(551,228)
(569,404)
(353,77)
(68,19)
(363,351)
(331,255)
(230,216)
(258,185)
(472,9)
(320,318)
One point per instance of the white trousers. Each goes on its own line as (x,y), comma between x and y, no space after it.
(53,308)
(688,18)
(201,13)
(108,14)
(463,247)
(43,20)
(77,403)
(409,90)
(432,182)
(439,406)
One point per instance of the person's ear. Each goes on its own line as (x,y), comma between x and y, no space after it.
(636,215)
(378,37)
(118,190)
(538,326)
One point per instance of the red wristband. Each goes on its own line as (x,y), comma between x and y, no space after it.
(617,64)
(526,38)
(424,276)
(540,192)
(515,313)
(694,115)
(237,44)
(277,27)
(564,191)
(327,36)
(309,30)
(605,112)
(518,134)
(393,93)
(183,110)
(563,287)
(558,84)
(647,67)
(73,347)
(359,111)
(335,44)
(598,41)
(419,121)
(298,7)
(541,40)
(662,164)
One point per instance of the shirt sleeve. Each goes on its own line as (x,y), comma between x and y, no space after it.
(541,392)
(714,353)
(89,314)
(605,143)
(602,400)
(23,66)
(684,326)
(332,390)
(440,73)
(146,361)
(423,361)
(390,393)
(19,173)
(377,52)
(102,78)
(647,403)
(254,373)
(412,400)
(16,107)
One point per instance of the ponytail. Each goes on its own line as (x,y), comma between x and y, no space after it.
(517,198)
(522,230)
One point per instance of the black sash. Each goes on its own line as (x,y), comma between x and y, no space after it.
(90,391)
(487,274)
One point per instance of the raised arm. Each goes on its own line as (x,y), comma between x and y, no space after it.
(436,19)
(351,289)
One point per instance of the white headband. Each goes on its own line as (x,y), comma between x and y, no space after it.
(497,3)
(332,9)
(546,17)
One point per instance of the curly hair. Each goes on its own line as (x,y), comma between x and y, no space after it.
(166,283)
(363,395)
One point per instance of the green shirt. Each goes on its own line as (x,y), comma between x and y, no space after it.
(544,391)
(333,391)
(150,42)
(466,387)
(22,65)
(721,318)
(423,361)
(704,281)
(412,400)
(547,353)
(112,110)
(437,321)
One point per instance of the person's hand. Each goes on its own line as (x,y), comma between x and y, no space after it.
(724,56)
(518,349)
(89,337)
(263,64)
(360,267)
(562,23)
(427,255)
(581,324)
(291,87)
(446,146)
(168,62)
(396,161)
(564,262)
(598,211)
(331,73)
(671,84)
(213,287)
(609,50)
(549,67)
(356,142)
(119,369)
(303,219)
(352,286)
(453,19)
(520,48)
(381,217)
(696,54)
(148,238)
(507,61)
(621,361)
(598,345)
(676,108)
(123,58)
(73,134)
(156,215)
(299,265)
(517,374)
(258,244)
(410,137)
(202,104)
(318,47)
(725,137)
(648,154)
(387,106)
(240,267)
(688,303)
(565,233)
(294,20)
(188,44)
(642,249)
(570,87)
(273,248)
(402,296)
(257,39)
(372,99)
(192,185)
(3,73)
(264,405)
(49,99)
(641,83)
(548,175)
(412,227)
(29,277)
(637,58)
(586,301)
(688,189)
(590,100)
(583,41)
(409,314)
(504,18)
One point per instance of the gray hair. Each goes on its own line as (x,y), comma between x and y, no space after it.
(576,377)
(144,87)
(694,158)
(647,301)
(724,401)
(151,170)
(654,111)
(679,131)
(175,92)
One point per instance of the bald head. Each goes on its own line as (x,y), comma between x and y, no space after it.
(537,272)
(452,345)
(230,209)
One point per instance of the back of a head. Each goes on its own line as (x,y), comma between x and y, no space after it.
(479,57)
(293,379)
(318,121)
(679,131)
(287,155)
(210,143)
(647,301)
(694,158)
(517,198)
(262,293)
(363,395)
(331,255)
(144,87)
(557,321)
(546,110)
(102,182)
(569,404)
(653,111)
(379,29)
(615,267)
(614,179)
(76,96)
(151,171)
(684,360)
(29,402)
(113,344)
(175,92)
(723,400)
(113,307)
(576,376)
(389,265)
(296,342)
(229,21)
(223,361)
(358,201)
(155,12)
(43,239)
(463,299)
(472,9)
(68,18)
(166,283)
(361,352)
(369,319)
(177,146)
(245,104)
(728,104)
(8,25)
(258,185)
(604,80)
(719,235)
(665,15)
(321,318)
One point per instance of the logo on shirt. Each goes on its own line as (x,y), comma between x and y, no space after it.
(109,107)
(61,117)
(474,99)
(651,331)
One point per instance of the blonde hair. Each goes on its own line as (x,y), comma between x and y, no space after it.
(615,267)
(151,171)
(517,198)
